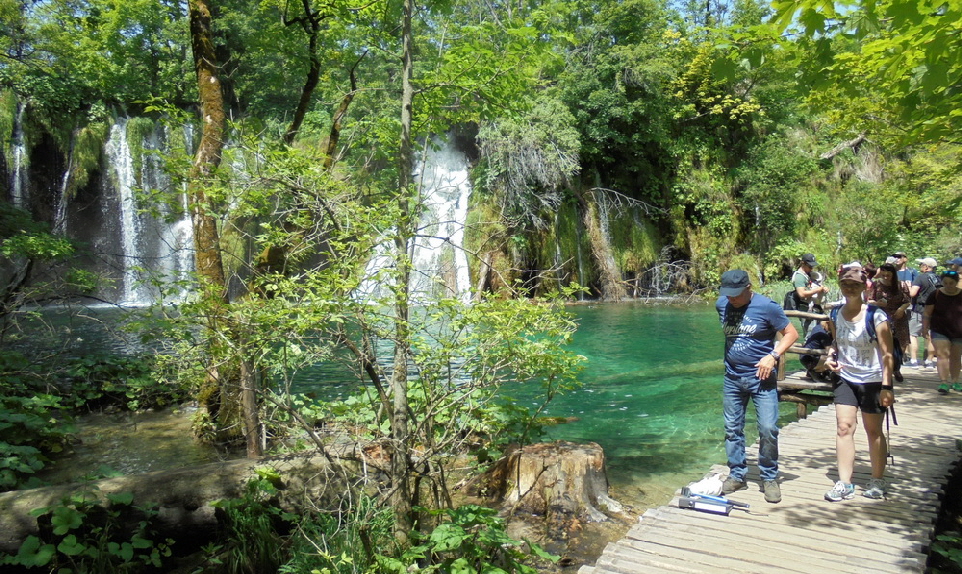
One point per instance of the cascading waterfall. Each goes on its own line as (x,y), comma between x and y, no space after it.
(60,215)
(18,185)
(155,250)
(121,166)
(440,264)
(439,261)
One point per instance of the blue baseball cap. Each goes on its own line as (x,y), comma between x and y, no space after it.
(734,283)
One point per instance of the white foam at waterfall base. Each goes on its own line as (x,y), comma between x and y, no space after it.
(440,263)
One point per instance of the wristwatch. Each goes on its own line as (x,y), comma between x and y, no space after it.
(775,354)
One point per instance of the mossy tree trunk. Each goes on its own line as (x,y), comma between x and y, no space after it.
(231,396)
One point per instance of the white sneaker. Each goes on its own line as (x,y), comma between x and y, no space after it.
(914,363)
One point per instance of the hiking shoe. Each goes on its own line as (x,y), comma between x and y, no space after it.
(732,484)
(898,376)
(914,363)
(773,492)
(840,491)
(944,389)
(957,386)
(875,488)
(928,364)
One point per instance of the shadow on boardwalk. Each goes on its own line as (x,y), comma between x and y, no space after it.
(805,533)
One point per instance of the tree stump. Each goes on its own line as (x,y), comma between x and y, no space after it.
(563,481)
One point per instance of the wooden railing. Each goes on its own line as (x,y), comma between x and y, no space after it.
(797,387)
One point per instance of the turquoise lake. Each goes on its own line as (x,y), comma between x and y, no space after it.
(651,396)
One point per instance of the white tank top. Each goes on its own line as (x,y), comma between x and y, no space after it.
(858,355)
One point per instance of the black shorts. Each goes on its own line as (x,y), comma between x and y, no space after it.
(864,396)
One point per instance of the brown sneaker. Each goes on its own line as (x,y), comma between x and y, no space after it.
(731,485)
(773,492)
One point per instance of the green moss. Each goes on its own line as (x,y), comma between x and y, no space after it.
(87,152)
(8,109)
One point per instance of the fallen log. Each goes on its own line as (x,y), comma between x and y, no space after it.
(183,497)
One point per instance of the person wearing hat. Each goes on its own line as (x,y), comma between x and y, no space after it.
(954,264)
(751,323)
(865,366)
(922,287)
(942,322)
(807,290)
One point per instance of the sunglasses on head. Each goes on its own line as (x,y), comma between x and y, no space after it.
(950,274)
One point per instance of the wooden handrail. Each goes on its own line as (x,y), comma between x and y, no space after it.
(807,315)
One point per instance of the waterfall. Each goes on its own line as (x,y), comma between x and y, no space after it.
(121,166)
(60,215)
(156,248)
(440,266)
(18,185)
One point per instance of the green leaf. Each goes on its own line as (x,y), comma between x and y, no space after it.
(33,553)
(65,518)
(124,498)
(71,546)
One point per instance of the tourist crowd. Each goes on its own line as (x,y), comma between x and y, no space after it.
(889,315)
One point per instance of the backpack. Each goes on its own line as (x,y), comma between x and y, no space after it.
(791,301)
(870,329)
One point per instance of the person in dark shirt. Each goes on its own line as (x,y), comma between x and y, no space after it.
(815,368)
(942,322)
(924,284)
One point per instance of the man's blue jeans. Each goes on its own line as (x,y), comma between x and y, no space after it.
(735,396)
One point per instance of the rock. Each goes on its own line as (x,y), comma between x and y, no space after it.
(183,496)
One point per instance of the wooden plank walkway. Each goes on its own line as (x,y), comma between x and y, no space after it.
(805,533)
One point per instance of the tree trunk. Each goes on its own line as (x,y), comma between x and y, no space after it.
(206,236)
(209,263)
(401,498)
(563,481)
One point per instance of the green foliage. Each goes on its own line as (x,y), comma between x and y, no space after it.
(346,541)
(469,540)
(81,536)
(129,381)
(777,180)
(31,428)
(253,524)
(894,65)
(949,546)
(527,160)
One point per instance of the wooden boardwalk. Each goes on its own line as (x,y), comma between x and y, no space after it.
(805,533)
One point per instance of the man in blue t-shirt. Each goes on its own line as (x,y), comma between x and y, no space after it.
(751,322)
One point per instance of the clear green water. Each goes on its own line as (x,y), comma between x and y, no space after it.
(651,396)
